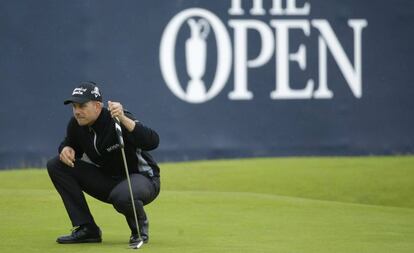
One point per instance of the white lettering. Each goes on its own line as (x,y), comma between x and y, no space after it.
(353,75)
(241,63)
(277,9)
(202,27)
(257,8)
(78,91)
(283,90)
(323,92)
(236,8)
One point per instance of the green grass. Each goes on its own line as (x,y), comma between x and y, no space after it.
(320,205)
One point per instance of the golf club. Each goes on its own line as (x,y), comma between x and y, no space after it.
(118,130)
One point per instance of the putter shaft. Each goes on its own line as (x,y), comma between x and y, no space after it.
(118,130)
(130,191)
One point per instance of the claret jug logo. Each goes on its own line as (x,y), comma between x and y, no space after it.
(205,27)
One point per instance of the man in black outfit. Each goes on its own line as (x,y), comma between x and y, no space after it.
(90,161)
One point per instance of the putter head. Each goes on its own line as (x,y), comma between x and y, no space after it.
(137,244)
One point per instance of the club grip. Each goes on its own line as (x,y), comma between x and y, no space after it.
(118,131)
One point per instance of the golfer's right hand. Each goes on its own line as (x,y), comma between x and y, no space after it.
(67,156)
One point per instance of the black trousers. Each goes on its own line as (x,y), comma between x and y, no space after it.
(85,177)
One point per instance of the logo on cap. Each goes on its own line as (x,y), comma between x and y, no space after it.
(96,92)
(78,91)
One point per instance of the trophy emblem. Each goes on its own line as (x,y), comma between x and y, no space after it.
(196,52)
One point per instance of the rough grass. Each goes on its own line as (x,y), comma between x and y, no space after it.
(319,205)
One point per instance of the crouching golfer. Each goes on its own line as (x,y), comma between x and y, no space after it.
(90,161)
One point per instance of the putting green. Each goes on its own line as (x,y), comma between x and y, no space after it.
(255,205)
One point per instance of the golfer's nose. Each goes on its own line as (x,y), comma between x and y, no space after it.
(76,111)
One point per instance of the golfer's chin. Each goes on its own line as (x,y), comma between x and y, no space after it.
(82,122)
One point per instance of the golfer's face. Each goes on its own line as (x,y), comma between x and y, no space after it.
(87,113)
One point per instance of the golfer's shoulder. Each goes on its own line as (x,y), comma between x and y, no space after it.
(73,125)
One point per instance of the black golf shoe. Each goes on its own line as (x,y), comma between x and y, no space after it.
(135,241)
(82,234)
(143,230)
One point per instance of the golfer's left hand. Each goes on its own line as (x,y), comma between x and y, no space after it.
(116,109)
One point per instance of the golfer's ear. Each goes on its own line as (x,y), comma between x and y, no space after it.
(98,105)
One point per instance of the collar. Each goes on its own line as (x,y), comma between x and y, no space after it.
(102,121)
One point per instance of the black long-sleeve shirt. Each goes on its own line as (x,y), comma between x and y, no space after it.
(98,144)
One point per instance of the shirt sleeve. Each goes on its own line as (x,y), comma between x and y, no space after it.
(71,139)
(141,136)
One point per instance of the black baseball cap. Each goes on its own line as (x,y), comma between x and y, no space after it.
(85,92)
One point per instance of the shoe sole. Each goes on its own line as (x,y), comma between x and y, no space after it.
(136,245)
(145,242)
(92,240)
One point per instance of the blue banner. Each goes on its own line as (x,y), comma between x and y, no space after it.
(216,79)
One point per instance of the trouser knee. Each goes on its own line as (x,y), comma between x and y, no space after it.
(123,204)
(53,165)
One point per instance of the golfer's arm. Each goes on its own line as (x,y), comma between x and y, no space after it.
(71,139)
(140,136)
(128,123)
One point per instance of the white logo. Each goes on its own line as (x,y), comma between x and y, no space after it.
(274,43)
(196,55)
(96,92)
(113,147)
(78,91)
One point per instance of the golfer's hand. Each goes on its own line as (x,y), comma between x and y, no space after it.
(116,109)
(67,156)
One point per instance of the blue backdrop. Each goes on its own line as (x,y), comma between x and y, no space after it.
(266,80)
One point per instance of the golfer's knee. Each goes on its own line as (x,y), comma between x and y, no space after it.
(122,202)
(55,166)
(122,205)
